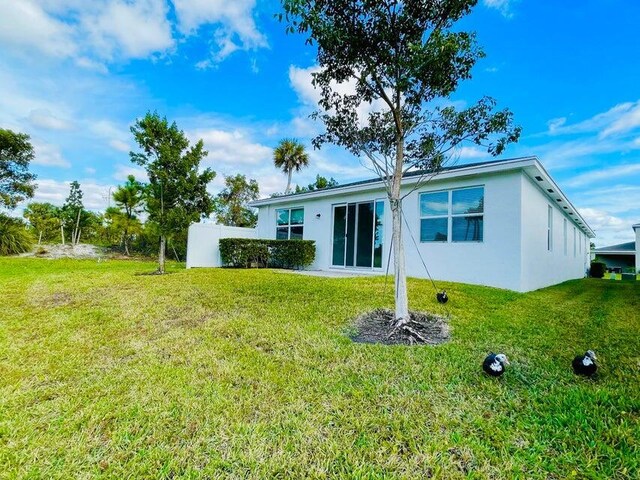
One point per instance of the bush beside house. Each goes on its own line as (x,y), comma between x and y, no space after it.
(259,253)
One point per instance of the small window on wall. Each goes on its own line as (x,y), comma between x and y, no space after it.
(434,217)
(467,208)
(452,215)
(289,223)
(550,228)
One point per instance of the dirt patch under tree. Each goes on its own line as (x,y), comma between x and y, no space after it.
(379,326)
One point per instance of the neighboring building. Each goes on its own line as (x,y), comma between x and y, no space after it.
(621,256)
(502,223)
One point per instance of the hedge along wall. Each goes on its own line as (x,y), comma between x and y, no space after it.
(257,253)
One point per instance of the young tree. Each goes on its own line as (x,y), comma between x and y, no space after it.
(320,183)
(72,213)
(231,203)
(176,195)
(129,200)
(289,155)
(45,220)
(402,59)
(16,182)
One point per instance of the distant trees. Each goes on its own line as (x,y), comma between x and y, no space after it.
(45,220)
(129,200)
(290,155)
(176,195)
(16,182)
(72,213)
(230,205)
(320,183)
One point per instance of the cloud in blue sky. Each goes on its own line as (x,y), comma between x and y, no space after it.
(76,74)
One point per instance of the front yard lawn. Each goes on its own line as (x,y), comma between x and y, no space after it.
(250,374)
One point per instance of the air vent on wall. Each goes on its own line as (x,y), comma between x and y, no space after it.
(539,179)
(549,190)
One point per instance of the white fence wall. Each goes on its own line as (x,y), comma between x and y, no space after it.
(203,242)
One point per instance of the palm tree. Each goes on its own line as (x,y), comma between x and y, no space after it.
(290,155)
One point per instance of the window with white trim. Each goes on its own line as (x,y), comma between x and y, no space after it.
(550,228)
(452,215)
(289,223)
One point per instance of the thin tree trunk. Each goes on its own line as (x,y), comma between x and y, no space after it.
(399,265)
(289,182)
(126,247)
(76,232)
(163,242)
(62,232)
(40,238)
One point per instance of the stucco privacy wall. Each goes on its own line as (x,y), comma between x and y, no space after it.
(542,267)
(494,262)
(637,230)
(203,242)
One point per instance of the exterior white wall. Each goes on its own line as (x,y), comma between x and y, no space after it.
(637,230)
(494,262)
(202,242)
(541,267)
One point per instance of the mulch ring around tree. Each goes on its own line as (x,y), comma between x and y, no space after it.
(378,326)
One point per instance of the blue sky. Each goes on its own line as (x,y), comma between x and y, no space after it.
(75,75)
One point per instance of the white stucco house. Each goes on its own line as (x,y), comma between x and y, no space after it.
(502,223)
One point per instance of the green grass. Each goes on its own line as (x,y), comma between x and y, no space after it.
(248,374)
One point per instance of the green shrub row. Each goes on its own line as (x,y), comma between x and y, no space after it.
(598,269)
(258,253)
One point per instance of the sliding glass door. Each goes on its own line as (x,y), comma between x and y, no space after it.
(357,234)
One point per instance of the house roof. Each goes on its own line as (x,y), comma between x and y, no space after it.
(530,165)
(628,248)
(637,225)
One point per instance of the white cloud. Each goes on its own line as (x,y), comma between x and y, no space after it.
(309,96)
(95,195)
(120,146)
(92,32)
(604,175)
(25,25)
(610,229)
(123,171)
(503,6)
(231,147)
(43,118)
(555,123)
(48,155)
(471,153)
(129,30)
(620,119)
(235,26)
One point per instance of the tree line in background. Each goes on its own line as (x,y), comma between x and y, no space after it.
(146,217)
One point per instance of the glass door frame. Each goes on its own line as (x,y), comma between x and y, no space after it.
(346,205)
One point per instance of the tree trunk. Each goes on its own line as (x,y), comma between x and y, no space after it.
(163,242)
(289,182)
(399,265)
(40,238)
(76,232)
(62,233)
(126,247)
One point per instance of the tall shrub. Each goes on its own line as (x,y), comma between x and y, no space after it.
(14,236)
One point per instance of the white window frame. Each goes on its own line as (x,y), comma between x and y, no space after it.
(449,216)
(288,226)
(550,228)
